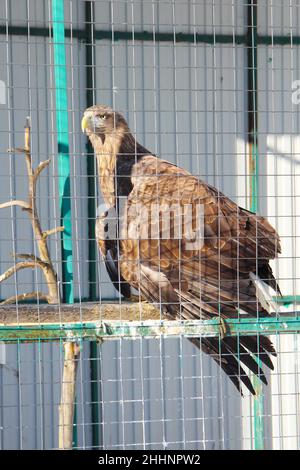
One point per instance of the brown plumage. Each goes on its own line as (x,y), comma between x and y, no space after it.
(188,278)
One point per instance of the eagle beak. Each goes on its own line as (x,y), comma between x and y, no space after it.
(84,123)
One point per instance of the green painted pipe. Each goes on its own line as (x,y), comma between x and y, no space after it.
(92,248)
(258,400)
(62,128)
(64,187)
(112,329)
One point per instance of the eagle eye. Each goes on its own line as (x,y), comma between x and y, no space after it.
(102,116)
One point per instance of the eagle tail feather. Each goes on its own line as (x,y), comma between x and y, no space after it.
(264,293)
(226,360)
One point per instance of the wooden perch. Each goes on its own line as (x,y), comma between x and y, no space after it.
(30,314)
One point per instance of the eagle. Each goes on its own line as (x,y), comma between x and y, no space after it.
(182,244)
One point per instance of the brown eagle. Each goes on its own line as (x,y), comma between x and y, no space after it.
(182,243)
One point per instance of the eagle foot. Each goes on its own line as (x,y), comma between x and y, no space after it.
(137,298)
(223,328)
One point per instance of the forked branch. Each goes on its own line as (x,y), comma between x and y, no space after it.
(42,262)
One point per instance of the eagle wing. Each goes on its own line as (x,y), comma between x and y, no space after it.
(191,276)
(108,246)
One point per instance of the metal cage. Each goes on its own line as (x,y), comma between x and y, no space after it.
(210,85)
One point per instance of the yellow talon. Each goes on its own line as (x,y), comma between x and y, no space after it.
(223,328)
(137,298)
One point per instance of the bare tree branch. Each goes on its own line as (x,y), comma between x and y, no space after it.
(72,350)
(27,296)
(16,202)
(23,265)
(40,236)
(46,233)
(26,256)
(16,150)
(29,256)
(40,168)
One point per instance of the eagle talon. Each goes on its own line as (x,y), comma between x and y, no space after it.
(223,328)
(137,298)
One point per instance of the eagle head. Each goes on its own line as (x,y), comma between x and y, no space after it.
(101,120)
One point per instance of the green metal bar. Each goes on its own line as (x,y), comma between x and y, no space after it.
(170,37)
(252,104)
(60,73)
(77,33)
(288,299)
(126,35)
(254,173)
(64,186)
(277,40)
(39,31)
(258,400)
(112,329)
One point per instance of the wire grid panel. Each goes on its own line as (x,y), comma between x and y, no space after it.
(179,73)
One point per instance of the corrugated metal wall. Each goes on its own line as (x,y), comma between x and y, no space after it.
(187,103)
(279,189)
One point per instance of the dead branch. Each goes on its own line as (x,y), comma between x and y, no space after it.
(26,296)
(21,265)
(39,263)
(16,150)
(16,202)
(66,407)
(46,233)
(40,168)
(26,256)
(43,261)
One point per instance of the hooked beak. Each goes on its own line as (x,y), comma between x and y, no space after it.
(85,123)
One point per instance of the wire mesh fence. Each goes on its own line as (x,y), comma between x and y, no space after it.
(213,88)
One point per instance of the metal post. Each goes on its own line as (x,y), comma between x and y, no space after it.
(92,196)
(61,100)
(258,400)
(60,72)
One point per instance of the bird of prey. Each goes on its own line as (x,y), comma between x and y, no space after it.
(218,268)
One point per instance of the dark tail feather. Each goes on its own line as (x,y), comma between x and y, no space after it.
(266,274)
(261,347)
(267,345)
(244,356)
(113,270)
(230,352)
(226,361)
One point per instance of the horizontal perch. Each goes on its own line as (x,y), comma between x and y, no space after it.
(94,321)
